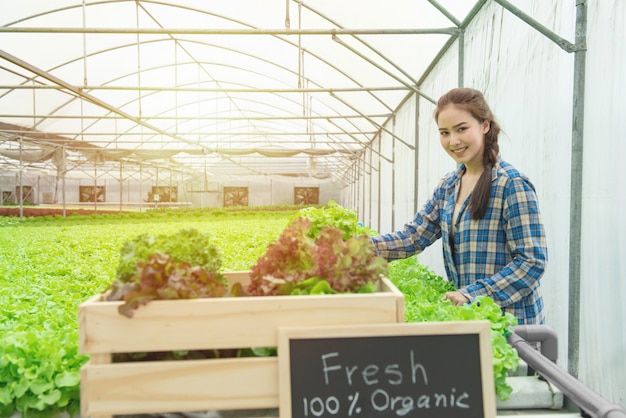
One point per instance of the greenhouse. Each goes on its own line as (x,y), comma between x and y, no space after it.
(127,124)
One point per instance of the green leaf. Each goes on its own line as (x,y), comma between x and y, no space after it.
(51,398)
(20,388)
(5,395)
(321,288)
(38,387)
(67,378)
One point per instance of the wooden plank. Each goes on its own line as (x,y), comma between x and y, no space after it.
(226,322)
(386,285)
(242,277)
(176,386)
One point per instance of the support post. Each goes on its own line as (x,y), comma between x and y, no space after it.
(578,117)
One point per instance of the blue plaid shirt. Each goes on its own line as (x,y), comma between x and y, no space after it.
(502,255)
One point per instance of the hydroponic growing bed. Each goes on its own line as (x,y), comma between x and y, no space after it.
(50,266)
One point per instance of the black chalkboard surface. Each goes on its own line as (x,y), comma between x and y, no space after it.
(432,370)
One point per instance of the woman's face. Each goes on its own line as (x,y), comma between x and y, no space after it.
(462,136)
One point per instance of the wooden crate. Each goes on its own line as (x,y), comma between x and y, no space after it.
(109,388)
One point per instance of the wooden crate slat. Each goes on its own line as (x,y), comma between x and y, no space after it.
(174,386)
(224,322)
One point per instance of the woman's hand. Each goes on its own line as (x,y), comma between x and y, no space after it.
(456,298)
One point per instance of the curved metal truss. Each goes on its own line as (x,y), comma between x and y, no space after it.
(244,87)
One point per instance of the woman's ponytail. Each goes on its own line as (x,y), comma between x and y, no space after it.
(479,201)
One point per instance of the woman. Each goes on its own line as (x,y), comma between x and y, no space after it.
(486,211)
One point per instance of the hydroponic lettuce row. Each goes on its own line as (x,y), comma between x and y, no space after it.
(424,301)
(295,259)
(49,266)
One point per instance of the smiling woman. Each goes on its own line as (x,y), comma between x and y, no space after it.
(486,213)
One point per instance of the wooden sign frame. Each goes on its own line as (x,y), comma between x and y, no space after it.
(380,332)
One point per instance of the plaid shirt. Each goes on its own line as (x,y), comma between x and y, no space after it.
(502,255)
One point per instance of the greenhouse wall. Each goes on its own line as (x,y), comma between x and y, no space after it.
(135,193)
(528,81)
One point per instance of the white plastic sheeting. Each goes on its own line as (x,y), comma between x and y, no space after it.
(528,81)
(204,78)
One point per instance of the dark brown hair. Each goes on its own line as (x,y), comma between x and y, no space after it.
(474,102)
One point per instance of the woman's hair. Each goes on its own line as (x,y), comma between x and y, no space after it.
(474,102)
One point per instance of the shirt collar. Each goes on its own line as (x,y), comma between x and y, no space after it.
(494,170)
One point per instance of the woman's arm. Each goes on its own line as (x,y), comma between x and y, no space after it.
(414,237)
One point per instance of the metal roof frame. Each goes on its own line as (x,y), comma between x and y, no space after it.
(311,114)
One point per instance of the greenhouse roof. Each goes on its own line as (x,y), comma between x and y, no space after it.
(239,87)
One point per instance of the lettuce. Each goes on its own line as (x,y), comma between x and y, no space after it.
(424,302)
(296,264)
(187,245)
(161,278)
(333,214)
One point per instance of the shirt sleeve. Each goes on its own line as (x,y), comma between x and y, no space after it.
(414,237)
(526,242)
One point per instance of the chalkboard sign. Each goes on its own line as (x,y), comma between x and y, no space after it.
(437,369)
